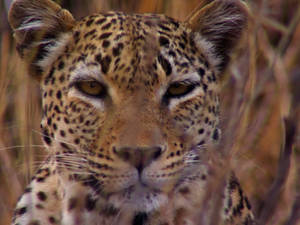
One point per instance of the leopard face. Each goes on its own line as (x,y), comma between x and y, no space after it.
(130,102)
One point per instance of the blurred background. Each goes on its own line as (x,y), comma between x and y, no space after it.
(261,89)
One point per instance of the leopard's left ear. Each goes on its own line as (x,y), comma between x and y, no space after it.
(217,26)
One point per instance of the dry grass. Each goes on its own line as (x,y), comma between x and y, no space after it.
(261,89)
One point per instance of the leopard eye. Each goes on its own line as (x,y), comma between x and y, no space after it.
(179,89)
(92,88)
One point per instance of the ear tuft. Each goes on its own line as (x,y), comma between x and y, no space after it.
(219,24)
(40,28)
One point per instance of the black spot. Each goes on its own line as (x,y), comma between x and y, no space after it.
(49,76)
(172,53)
(229,203)
(81,119)
(201,143)
(39,206)
(216,135)
(46,137)
(77,141)
(247,203)
(72,203)
(93,183)
(62,78)
(140,219)
(105,35)
(49,121)
(204,87)
(21,211)
(117,50)
(100,21)
(56,108)
(40,179)
(62,133)
(176,24)
(98,58)
(184,190)
(82,57)
(201,72)
(52,219)
(66,120)
(184,65)
(106,26)
(76,36)
(201,131)
(105,44)
(206,120)
(164,27)
(64,146)
(110,211)
(182,46)
(90,33)
(58,94)
(41,196)
(34,222)
(105,62)
(163,41)
(28,190)
(90,203)
(61,65)
(149,23)
(213,77)
(89,22)
(165,65)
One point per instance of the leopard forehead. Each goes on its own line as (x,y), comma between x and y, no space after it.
(131,50)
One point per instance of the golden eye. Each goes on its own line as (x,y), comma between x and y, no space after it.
(179,89)
(92,88)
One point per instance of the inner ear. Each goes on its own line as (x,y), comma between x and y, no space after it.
(219,24)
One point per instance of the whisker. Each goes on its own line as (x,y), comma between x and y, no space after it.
(21,146)
(55,139)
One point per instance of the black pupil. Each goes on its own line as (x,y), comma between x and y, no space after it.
(93,84)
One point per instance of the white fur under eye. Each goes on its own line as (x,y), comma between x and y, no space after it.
(175,101)
(96,102)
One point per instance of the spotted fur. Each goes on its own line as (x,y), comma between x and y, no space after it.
(133,153)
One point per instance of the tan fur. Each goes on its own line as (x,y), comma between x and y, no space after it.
(135,152)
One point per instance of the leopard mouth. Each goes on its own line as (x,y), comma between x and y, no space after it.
(140,197)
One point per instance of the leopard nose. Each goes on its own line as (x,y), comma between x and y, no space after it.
(139,157)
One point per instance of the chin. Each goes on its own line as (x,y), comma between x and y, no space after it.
(140,198)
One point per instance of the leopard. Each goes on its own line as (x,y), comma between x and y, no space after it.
(130,115)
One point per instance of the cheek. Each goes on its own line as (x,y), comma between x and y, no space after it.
(71,123)
(187,116)
(196,121)
(84,120)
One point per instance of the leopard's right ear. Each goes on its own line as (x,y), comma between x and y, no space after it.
(218,26)
(42,30)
